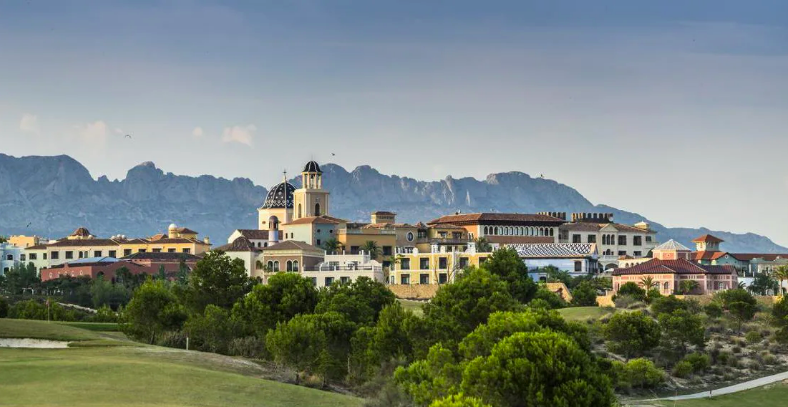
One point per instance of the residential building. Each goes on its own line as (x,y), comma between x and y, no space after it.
(614,240)
(709,252)
(315,230)
(24,242)
(258,238)
(345,268)
(578,259)
(10,257)
(506,228)
(289,256)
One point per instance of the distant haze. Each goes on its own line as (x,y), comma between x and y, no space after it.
(674,109)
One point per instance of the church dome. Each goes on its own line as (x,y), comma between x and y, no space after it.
(312,167)
(280,196)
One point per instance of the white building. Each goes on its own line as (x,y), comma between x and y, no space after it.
(345,268)
(10,256)
(576,259)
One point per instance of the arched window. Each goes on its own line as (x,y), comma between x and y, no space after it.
(552,232)
(276,265)
(485,230)
(666,286)
(295,265)
(289,265)
(496,230)
(317,209)
(270,265)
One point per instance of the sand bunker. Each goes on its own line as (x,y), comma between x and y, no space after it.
(31,343)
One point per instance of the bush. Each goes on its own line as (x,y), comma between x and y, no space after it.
(682,369)
(633,290)
(643,374)
(713,310)
(172,339)
(250,347)
(553,300)
(699,361)
(104,314)
(624,301)
(755,365)
(3,308)
(769,359)
(753,337)
(723,358)
(736,349)
(666,305)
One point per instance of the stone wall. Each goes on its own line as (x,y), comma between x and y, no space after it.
(414,291)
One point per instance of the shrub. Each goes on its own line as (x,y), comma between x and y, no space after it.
(769,359)
(736,349)
(666,305)
(713,310)
(723,358)
(104,314)
(624,301)
(633,290)
(682,369)
(643,374)
(250,347)
(172,339)
(753,337)
(699,361)
(754,365)
(3,308)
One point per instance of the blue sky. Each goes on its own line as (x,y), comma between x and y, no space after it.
(678,110)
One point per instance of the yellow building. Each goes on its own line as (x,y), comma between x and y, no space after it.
(311,199)
(24,241)
(433,268)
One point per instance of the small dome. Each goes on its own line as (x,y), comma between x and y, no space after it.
(280,196)
(312,167)
(172,226)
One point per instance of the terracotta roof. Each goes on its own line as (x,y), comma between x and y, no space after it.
(161,256)
(179,240)
(292,245)
(752,256)
(253,234)
(680,266)
(474,218)
(706,255)
(554,250)
(520,239)
(158,236)
(185,231)
(708,239)
(240,244)
(83,243)
(445,226)
(37,247)
(388,225)
(82,232)
(323,219)
(595,227)
(383,213)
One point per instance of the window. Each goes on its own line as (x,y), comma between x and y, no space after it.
(22,257)
(354,249)
(126,252)
(329,281)
(314,281)
(404,279)
(33,256)
(318,231)
(187,250)
(591,238)
(422,234)
(637,240)
(424,264)
(443,278)
(276,265)
(665,286)
(45,256)
(576,239)
(648,239)
(638,254)
(578,266)
(80,254)
(270,265)
(622,240)
(463,262)
(97,253)
(409,236)
(424,278)
(344,280)
(295,265)
(442,263)
(69,254)
(387,250)
(404,264)
(55,255)
(113,253)
(482,260)
(171,250)
(289,265)
(622,252)
(157,250)
(6,270)
(317,242)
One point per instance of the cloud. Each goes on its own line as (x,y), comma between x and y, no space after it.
(118,130)
(197,132)
(93,133)
(29,124)
(239,134)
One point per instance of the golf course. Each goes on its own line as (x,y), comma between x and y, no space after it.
(100,368)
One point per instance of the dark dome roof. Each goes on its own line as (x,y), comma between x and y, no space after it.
(280,196)
(312,167)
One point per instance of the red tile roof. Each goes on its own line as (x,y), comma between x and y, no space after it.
(752,256)
(254,234)
(708,239)
(323,219)
(476,218)
(707,255)
(519,239)
(240,244)
(292,245)
(680,266)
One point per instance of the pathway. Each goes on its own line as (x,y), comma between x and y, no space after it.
(730,389)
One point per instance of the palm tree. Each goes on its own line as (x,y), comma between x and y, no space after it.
(371,247)
(483,246)
(781,274)
(648,283)
(332,245)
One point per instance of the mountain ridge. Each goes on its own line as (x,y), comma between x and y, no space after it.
(57,194)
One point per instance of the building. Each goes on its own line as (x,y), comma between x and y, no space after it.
(345,268)
(506,228)
(139,263)
(709,252)
(434,267)
(258,238)
(315,230)
(578,259)
(614,240)
(311,199)
(242,248)
(277,208)
(10,257)
(171,262)
(24,241)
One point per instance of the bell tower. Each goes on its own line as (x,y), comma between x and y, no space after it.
(311,199)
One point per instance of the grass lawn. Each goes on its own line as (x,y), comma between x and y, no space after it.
(773,395)
(99,373)
(584,313)
(94,326)
(414,306)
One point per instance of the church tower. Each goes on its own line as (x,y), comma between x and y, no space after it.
(311,199)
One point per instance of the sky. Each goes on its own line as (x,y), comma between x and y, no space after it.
(675,110)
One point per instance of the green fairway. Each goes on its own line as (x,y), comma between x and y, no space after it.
(96,371)
(414,306)
(585,313)
(94,326)
(773,395)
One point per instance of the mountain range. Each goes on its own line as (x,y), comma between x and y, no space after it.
(52,196)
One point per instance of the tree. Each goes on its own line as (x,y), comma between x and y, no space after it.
(648,283)
(212,331)
(458,400)
(3,239)
(713,310)
(371,247)
(727,297)
(332,245)
(458,308)
(631,333)
(584,295)
(507,264)
(680,328)
(285,296)
(762,284)
(104,292)
(551,299)
(152,311)
(360,301)
(537,369)
(781,274)
(3,307)
(666,305)
(742,312)
(688,286)
(387,340)
(217,280)
(483,245)
(632,289)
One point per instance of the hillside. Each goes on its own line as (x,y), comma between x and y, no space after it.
(55,195)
